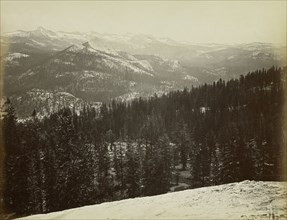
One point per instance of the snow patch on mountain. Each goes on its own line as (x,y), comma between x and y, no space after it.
(174,65)
(221,71)
(42,32)
(128,96)
(12,56)
(231,57)
(93,74)
(38,43)
(63,62)
(190,78)
(144,64)
(117,62)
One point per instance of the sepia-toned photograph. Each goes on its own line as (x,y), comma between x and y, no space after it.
(143,110)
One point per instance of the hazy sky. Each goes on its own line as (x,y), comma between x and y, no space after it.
(193,21)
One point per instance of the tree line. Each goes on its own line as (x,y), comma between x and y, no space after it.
(222,132)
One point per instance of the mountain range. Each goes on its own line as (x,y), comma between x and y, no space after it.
(46,70)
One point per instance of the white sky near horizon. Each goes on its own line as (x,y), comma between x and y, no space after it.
(192,21)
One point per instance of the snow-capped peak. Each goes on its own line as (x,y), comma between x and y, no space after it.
(40,31)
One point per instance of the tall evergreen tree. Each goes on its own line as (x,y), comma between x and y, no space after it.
(15,167)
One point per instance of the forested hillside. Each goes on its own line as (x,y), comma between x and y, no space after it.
(220,133)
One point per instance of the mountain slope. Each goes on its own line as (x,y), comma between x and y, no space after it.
(243,200)
(88,74)
(121,67)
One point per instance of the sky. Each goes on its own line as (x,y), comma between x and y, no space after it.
(192,21)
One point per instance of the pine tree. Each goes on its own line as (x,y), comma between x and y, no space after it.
(103,166)
(183,141)
(119,166)
(15,165)
(132,173)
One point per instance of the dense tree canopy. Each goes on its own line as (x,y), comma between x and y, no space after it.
(221,132)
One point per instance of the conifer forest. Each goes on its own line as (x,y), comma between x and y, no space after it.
(222,132)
